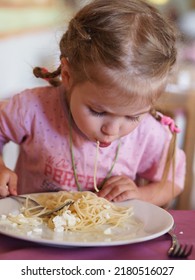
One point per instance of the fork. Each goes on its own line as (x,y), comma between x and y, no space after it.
(177,250)
(61,206)
(39,207)
(23,199)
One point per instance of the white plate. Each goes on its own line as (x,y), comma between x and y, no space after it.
(155,222)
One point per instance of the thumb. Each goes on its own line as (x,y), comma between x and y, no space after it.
(12,185)
(4,191)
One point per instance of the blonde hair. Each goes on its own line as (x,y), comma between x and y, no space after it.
(129,37)
(126,43)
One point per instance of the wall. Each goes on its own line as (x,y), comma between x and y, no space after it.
(18,56)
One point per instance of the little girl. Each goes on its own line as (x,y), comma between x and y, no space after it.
(94,128)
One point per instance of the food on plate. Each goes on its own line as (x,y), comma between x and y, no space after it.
(85,212)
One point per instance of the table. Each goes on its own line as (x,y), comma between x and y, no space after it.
(156,249)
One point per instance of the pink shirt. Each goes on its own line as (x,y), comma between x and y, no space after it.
(37,120)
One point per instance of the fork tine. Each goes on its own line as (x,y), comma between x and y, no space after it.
(174,251)
(188,253)
(181,252)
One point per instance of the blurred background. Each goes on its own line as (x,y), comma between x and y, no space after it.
(30,31)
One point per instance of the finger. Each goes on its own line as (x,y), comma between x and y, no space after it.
(109,184)
(13,184)
(112,183)
(112,180)
(8,183)
(4,191)
(111,192)
(117,180)
(126,195)
(4,180)
(105,191)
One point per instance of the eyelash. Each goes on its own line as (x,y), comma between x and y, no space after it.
(133,119)
(100,114)
(97,114)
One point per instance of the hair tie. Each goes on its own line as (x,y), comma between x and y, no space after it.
(44,71)
(165,120)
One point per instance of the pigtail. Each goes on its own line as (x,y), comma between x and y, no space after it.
(171,154)
(51,77)
(170,162)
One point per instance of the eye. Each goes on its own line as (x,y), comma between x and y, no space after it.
(95,113)
(133,119)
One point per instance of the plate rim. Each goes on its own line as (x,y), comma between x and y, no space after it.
(103,243)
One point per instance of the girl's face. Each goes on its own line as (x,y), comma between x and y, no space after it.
(102,117)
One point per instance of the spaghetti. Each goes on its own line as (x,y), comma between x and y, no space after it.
(95,166)
(86,213)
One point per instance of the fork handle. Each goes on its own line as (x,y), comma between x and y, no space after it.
(175,242)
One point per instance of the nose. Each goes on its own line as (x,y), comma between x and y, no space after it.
(110,128)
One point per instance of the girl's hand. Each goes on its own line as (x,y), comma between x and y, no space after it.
(8,182)
(119,188)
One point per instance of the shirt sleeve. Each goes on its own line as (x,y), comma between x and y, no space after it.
(12,121)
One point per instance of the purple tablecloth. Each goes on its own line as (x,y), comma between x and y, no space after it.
(156,249)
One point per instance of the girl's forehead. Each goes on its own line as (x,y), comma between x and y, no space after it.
(110,93)
(115,85)
(111,98)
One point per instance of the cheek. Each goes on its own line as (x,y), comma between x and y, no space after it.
(129,127)
(89,123)
(84,121)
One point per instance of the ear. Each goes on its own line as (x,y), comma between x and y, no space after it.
(66,73)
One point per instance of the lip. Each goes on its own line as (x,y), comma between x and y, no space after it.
(104,144)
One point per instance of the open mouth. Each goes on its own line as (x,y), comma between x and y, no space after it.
(104,144)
